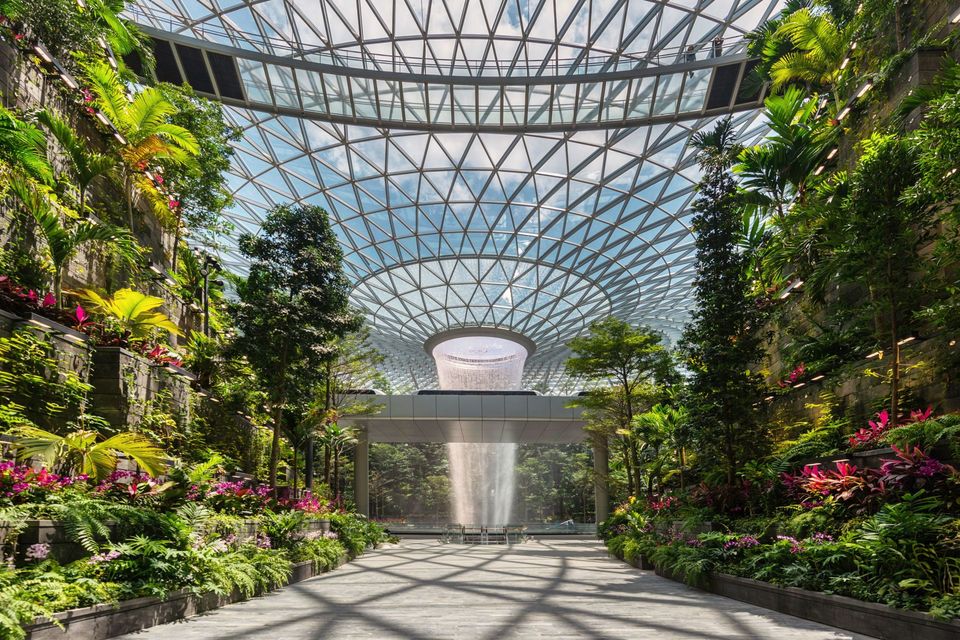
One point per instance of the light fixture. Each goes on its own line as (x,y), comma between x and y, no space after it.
(102,118)
(953,343)
(863,90)
(875,354)
(41,51)
(769,398)
(790,288)
(69,81)
(906,340)
(819,170)
(846,61)
(119,137)
(832,153)
(843,113)
(955,18)
(950,173)
(817,377)
(799,385)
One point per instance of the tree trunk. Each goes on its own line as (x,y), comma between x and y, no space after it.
(895,347)
(58,284)
(128,187)
(731,456)
(308,465)
(278,417)
(326,464)
(336,473)
(680,460)
(275,445)
(176,239)
(294,494)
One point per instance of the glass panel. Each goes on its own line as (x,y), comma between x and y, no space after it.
(338,96)
(641,97)
(388,92)
(590,106)
(615,100)
(489,105)
(464,104)
(284,89)
(538,104)
(414,102)
(564,102)
(255,81)
(668,92)
(695,91)
(439,103)
(364,99)
(514,104)
(311,91)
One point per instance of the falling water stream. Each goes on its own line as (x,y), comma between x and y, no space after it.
(482,475)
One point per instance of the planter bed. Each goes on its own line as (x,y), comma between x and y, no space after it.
(108,620)
(868,618)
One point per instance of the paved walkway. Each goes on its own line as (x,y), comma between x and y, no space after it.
(551,589)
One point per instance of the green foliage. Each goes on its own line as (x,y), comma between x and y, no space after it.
(721,343)
(64,240)
(928,434)
(35,388)
(85,165)
(201,186)
(325,554)
(293,303)
(23,147)
(84,452)
(135,314)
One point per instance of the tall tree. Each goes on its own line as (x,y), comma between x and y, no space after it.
(721,343)
(64,238)
(201,186)
(292,305)
(627,362)
(144,122)
(86,165)
(881,241)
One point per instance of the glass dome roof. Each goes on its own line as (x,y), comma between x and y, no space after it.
(537,233)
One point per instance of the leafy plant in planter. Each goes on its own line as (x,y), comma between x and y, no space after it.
(85,165)
(63,241)
(129,315)
(148,135)
(23,147)
(84,452)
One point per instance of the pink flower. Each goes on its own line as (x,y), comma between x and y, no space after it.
(101,558)
(37,551)
(921,416)
(49,300)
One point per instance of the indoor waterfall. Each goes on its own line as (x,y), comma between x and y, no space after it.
(482,475)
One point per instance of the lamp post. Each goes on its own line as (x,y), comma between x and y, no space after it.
(208,265)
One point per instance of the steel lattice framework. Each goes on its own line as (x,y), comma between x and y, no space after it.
(539,232)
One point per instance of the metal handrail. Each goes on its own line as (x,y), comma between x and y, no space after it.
(572,66)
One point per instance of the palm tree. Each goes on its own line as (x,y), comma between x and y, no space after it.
(24,147)
(64,240)
(86,165)
(336,439)
(663,425)
(135,312)
(820,46)
(83,452)
(143,123)
(779,169)
(123,35)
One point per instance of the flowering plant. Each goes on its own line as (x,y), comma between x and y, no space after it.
(20,484)
(794,376)
(869,436)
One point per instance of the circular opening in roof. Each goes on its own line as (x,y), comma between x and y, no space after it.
(478,361)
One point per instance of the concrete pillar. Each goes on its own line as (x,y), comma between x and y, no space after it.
(361,473)
(601,473)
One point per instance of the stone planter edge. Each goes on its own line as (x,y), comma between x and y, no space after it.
(103,621)
(868,618)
